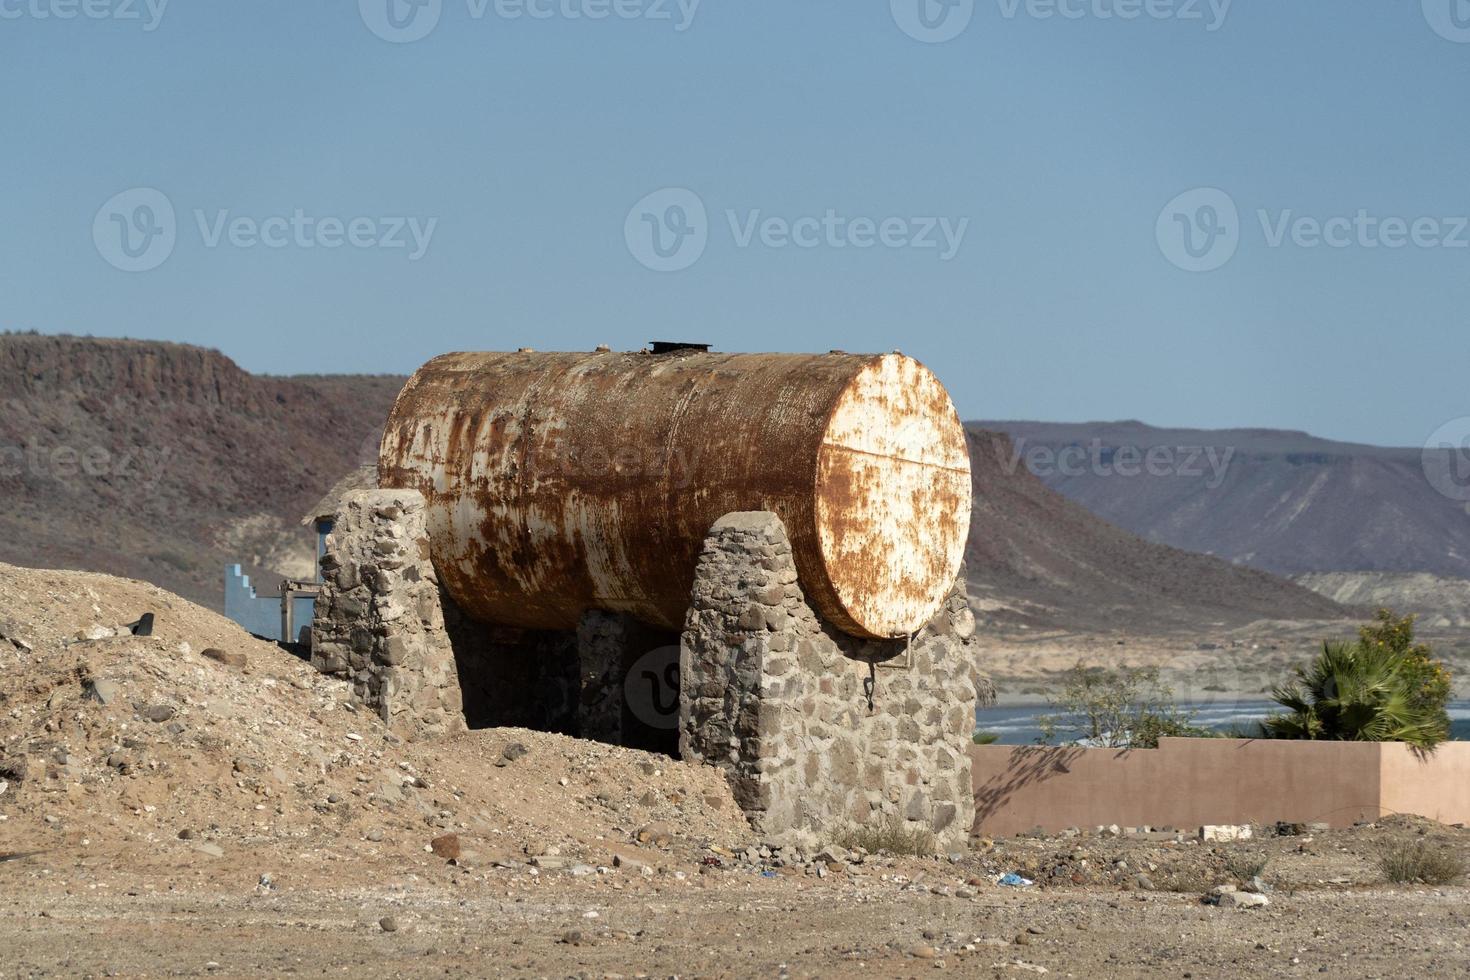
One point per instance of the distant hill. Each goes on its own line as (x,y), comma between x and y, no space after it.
(1285,502)
(1437,602)
(1039,559)
(162,461)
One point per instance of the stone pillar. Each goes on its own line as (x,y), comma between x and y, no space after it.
(380,617)
(818,730)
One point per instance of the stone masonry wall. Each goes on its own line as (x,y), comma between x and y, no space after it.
(380,618)
(780,699)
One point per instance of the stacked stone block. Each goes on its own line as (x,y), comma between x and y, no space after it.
(816,729)
(380,618)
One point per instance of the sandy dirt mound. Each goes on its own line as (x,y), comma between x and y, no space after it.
(205,739)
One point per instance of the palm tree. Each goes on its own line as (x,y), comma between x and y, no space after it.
(1356,692)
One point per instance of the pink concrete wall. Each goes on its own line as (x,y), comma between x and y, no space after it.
(1436,786)
(1187,782)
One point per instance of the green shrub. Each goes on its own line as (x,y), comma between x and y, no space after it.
(1381,688)
(985,738)
(1127,707)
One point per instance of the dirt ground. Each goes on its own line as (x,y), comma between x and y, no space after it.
(168,812)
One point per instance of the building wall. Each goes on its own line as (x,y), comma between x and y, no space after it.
(1435,786)
(1188,782)
(261,615)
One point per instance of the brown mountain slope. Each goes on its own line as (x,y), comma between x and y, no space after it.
(163,462)
(1286,502)
(1038,558)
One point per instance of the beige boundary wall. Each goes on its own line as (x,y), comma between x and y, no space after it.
(1187,782)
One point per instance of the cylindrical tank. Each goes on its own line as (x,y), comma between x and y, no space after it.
(561,482)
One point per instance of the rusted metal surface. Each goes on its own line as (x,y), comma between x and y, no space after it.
(562,482)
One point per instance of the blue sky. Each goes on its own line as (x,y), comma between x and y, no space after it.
(1009,204)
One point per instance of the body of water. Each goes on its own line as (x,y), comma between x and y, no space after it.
(1017,725)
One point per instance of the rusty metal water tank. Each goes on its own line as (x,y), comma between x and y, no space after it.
(559,482)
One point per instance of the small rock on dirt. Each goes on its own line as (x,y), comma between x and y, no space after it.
(229,658)
(103,692)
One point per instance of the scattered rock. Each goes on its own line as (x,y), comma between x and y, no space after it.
(102,691)
(388,924)
(514,751)
(446,846)
(1223,833)
(1228,896)
(229,658)
(656,834)
(158,713)
(213,850)
(551,862)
